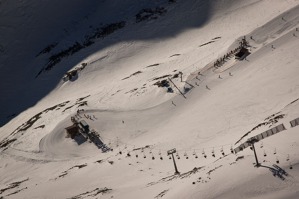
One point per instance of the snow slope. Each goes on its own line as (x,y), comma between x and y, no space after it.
(133,116)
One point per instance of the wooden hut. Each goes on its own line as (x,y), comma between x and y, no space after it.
(84,126)
(72,131)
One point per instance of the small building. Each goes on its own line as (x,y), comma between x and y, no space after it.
(242,54)
(84,126)
(72,131)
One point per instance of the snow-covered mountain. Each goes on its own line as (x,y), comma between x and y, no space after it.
(147,77)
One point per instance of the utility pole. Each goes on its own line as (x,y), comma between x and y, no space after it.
(251,142)
(181,76)
(171,152)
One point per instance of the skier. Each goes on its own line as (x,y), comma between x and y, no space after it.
(173,103)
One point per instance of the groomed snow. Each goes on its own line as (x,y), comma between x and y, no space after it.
(134,116)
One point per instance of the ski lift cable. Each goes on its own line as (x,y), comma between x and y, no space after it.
(198,149)
(273,148)
(165,150)
(158,173)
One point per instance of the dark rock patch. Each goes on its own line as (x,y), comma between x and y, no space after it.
(47,49)
(41,126)
(206,43)
(149,14)
(136,73)
(131,91)
(212,170)
(77,46)
(13,185)
(160,195)
(152,65)
(175,55)
(92,193)
(64,173)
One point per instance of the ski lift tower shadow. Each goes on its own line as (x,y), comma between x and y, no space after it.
(276,171)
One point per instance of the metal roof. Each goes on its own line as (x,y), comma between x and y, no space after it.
(84,123)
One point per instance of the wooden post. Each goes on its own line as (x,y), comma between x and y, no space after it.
(181,76)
